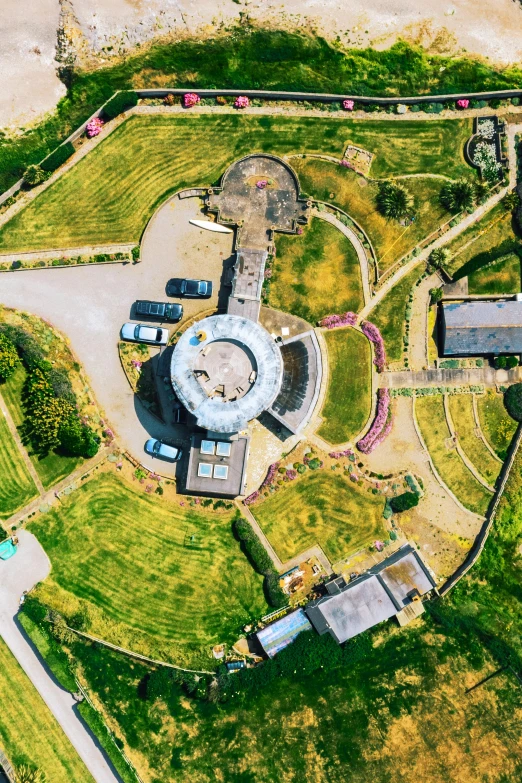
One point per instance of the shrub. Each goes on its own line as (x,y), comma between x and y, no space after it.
(221,100)
(58,157)
(381,425)
(242,102)
(120,102)
(34,175)
(315,463)
(513,401)
(457,196)
(77,439)
(94,127)
(255,550)
(404,502)
(136,253)
(393,200)
(500,362)
(274,595)
(191,99)
(515,101)
(438,257)
(436,295)
(8,357)
(511,361)
(170,99)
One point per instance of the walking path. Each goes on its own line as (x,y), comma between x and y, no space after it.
(21,448)
(29,566)
(358,246)
(65,252)
(486,376)
(418,353)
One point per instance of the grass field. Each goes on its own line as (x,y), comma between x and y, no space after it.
(432,422)
(498,277)
(53,467)
(496,424)
(348,402)
(484,241)
(461,412)
(390,314)
(16,485)
(321,508)
(130,560)
(29,733)
(337,185)
(109,196)
(316,273)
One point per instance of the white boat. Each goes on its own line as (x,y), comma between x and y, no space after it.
(211,226)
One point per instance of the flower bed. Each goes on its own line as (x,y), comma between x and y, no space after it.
(333,321)
(242,102)
(190,99)
(381,425)
(269,480)
(374,336)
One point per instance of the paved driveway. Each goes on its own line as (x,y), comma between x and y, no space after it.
(89,305)
(28,566)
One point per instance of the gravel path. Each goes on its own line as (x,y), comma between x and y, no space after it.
(29,566)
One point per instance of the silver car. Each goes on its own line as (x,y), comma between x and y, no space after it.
(156,448)
(142,333)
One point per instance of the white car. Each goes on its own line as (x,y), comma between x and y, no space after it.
(156,448)
(142,333)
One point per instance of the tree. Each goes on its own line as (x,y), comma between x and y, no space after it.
(511,201)
(394,201)
(457,196)
(404,502)
(8,357)
(34,175)
(436,295)
(481,191)
(511,361)
(438,256)
(500,362)
(77,439)
(513,401)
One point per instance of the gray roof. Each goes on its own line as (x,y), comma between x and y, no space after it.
(302,373)
(482,327)
(376,596)
(234,484)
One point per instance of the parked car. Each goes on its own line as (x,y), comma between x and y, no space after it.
(142,333)
(197,289)
(160,311)
(156,448)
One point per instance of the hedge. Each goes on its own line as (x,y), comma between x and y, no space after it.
(119,103)
(404,502)
(261,561)
(513,401)
(58,157)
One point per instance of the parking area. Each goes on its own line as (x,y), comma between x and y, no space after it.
(89,304)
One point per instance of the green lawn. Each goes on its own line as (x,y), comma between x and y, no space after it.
(316,273)
(323,508)
(461,412)
(16,485)
(29,733)
(498,277)
(348,402)
(390,315)
(337,185)
(481,243)
(130,560)
(452,470)
(111,193)
(496,424)
(53,467)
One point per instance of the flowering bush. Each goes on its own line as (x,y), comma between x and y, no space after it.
(190,99)
(379,545)
(268,273)
(375,337)
(485,157)
(241,102)
(346,163)
(270,476)
(137,364)
(340,454)
(299,230)
(486,128)
(348,105)
(261,184)
(291,474)
(345,319)
(381,425)
(462,103)
(94,127)
(251,498)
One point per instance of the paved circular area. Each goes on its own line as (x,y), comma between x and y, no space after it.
(226,370)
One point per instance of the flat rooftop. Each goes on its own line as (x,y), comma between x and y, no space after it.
(302,373)
(217,467)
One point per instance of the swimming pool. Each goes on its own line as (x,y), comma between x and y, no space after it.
(7,549)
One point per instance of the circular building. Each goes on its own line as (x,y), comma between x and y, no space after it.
(226,370)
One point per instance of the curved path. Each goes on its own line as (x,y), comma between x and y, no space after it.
(29,566)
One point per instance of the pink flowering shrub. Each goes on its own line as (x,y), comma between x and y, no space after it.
(268,273)
(348,105)
(381,425)
(154,477)
(94,127)
(291,474)
(137,364)
(299,230)
(149,488)
(261,184)
(340,454)
(190,99)
(462,103)
(346,164)
(270,476)
(241,102)
(375,337)
(251,498)
(379,545)
(345,319)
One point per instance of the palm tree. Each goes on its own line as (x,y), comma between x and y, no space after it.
(458,196)
(26,774)
(511,201)
(394,201)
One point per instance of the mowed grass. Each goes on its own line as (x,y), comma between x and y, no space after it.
(337,185)
(316,273)
(348,402)
(109,196)
(476,246)
(17,487)
(52,467)
(461,412)
(323,508)
(29,733)
(497,425)
(498,277)
(167,578)
(390,315)
(452,470)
